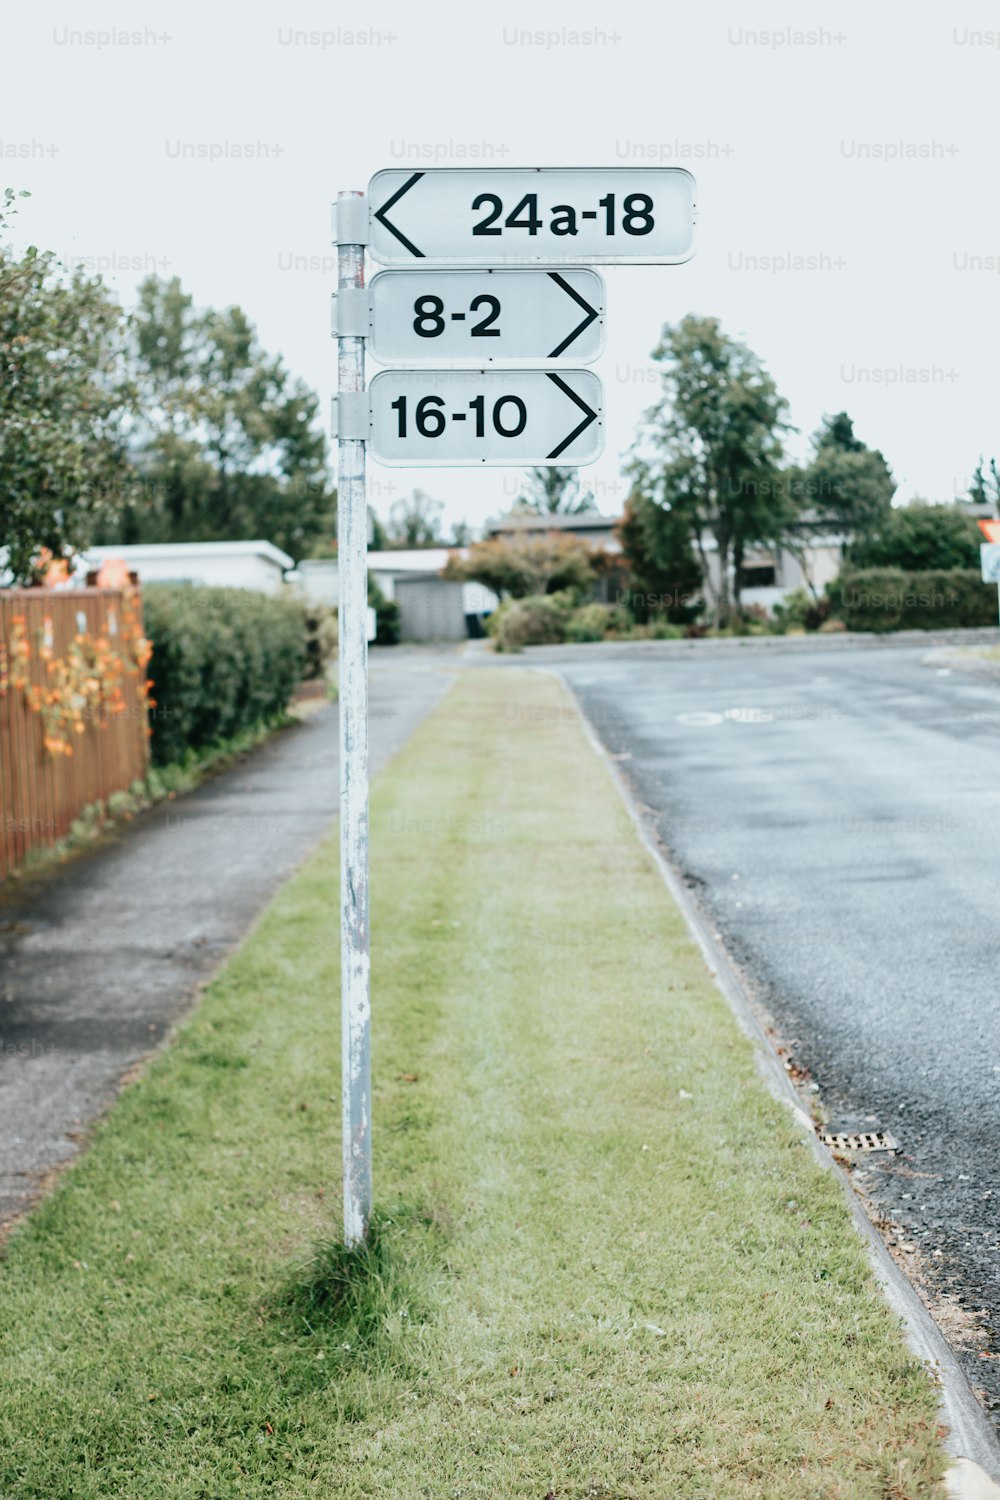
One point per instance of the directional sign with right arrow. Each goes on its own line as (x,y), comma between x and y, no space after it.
(446,418)
(486,317)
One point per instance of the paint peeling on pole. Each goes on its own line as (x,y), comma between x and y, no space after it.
(352,553)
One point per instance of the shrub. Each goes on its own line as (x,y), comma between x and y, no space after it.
(882,599)
(387,626)
(224,660)
(536,621)
(664,630)
(920,538)
(800,611)
(321,639)
(595,621)
(527,564)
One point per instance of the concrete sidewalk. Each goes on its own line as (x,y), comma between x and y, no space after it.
(98,959)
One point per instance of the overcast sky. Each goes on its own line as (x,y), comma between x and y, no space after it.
(845,158)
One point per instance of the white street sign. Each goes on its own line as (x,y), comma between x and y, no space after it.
(989,556)
(509,216)
(446,418)
(486,317)
(466,294)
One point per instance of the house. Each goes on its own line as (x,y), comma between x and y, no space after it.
(770,573)
(242,565)
(318,578)
(431,608)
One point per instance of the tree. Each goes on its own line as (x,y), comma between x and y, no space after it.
(838,432)
(554,490)
(461,534)
(63,404)
(846,482)
(710,451)
(522,565)
(416,521)
(378,537)
(985,487)
(664,573)
(920,537)
(227,443)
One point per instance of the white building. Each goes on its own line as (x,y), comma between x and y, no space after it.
(240,565)
(770,574)
(318,578)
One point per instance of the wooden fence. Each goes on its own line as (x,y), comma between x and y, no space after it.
(73,712)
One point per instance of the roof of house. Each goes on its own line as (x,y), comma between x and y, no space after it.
(529,520)
(166,551)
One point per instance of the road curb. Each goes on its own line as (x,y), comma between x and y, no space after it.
(971,1439)
(847,640)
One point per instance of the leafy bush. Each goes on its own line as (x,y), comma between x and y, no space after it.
(800,611)
(528,564)
(321,639)
(665,630)
(387,626)
(920,539)
(888,599)
(536,621)
(593,622)
(224,660)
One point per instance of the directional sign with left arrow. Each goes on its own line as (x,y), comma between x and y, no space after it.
(526,216)
(486,317)
(446,418)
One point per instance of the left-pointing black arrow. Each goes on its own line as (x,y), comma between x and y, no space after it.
(590,311)
(381,213)
(591,416)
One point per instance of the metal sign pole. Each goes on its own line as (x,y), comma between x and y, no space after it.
(484,224)
(352,550)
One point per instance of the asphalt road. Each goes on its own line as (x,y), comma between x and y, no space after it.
(838,815)
(100,958)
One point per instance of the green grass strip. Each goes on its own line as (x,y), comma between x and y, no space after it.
(605,1265)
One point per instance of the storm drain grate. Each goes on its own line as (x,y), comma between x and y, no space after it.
(867,1140)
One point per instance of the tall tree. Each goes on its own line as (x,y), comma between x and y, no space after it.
(552,489)
(664,575)
(63,404)
(228,444)
(985,486)
(415,521)
(461,534)
(846,482)
(710,452)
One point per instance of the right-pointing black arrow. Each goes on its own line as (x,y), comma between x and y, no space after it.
(380,214)
(591,416)
(590,311)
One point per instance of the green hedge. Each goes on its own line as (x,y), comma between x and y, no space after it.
(224,661)
(595,622)
(535,621)
(889,599)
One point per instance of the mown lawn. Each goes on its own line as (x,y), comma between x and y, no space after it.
(606,1265)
